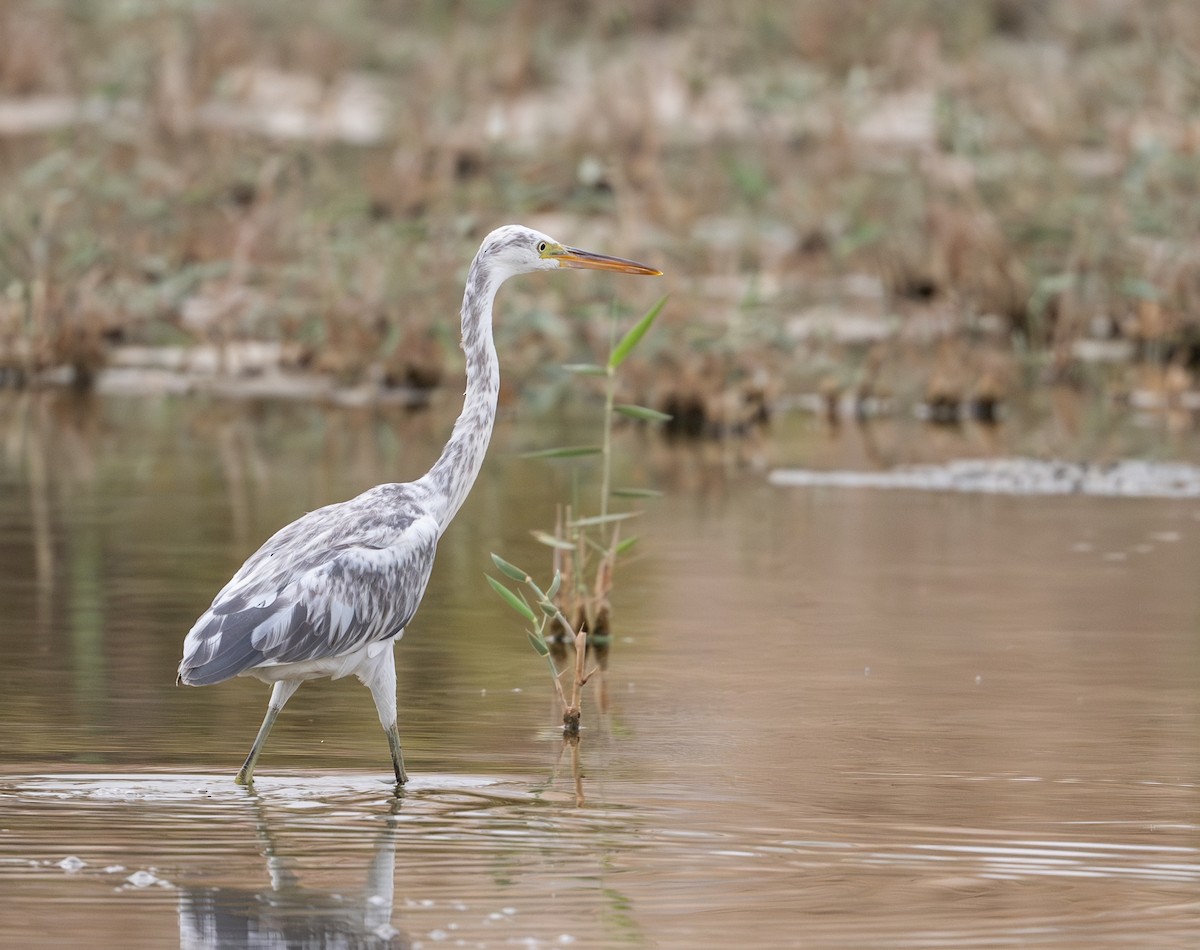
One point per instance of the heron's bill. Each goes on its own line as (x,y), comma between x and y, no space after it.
(574,257)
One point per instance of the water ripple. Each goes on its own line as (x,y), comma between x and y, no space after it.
(487,860)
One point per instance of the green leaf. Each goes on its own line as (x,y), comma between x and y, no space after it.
(565,452)
(634,335)
(635,493)
(585,369)
(547,608)
(515,602)
(538,643)
(551,541)
(642,414)
(510,569)
(626,544)
(603,519)
(554,585)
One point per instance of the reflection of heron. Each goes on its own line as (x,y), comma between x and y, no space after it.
(328,594)
(291,915)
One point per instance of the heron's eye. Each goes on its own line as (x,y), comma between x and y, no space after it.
(542,245)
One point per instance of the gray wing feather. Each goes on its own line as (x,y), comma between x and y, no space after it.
(325,585)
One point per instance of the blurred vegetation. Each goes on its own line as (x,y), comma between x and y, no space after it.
(904,197)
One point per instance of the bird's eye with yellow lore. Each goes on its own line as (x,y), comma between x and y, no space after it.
(542,245)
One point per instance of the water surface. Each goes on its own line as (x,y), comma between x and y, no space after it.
(836,717)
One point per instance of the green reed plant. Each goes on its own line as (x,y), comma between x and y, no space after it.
(573,609)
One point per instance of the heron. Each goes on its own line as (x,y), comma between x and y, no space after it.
(331,593)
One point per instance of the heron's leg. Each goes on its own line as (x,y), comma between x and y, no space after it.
(381,680)
(280,694)
(393,734)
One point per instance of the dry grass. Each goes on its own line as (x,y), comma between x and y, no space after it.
(1017,176)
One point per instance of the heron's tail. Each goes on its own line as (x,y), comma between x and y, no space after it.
(216,650)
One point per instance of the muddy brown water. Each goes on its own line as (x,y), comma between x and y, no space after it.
(836,717)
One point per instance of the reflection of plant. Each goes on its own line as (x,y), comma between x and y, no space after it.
(570,610)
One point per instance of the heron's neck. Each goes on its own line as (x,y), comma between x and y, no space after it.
(454,473)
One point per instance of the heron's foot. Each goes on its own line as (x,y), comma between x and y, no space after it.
(244,778)
(401,781)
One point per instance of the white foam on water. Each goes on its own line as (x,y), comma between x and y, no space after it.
(1016,476)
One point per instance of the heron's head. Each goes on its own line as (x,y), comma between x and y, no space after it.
(514,249)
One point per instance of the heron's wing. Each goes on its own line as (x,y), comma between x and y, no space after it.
(361,595)
(330,598)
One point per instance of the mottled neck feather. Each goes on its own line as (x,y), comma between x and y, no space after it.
(452,476)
